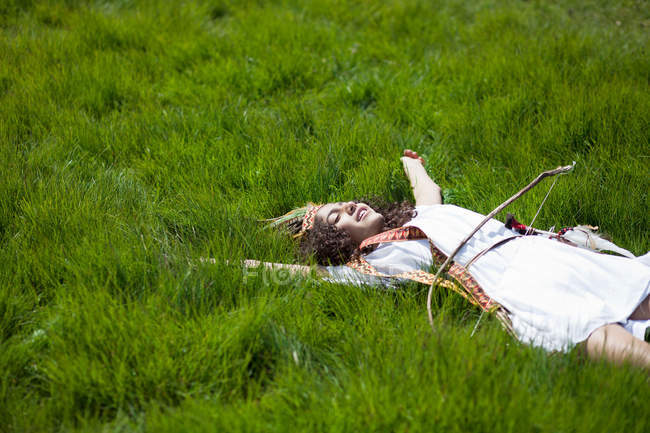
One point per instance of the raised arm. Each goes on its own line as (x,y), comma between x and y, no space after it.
(425,190)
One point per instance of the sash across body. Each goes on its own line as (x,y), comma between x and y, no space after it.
(465,284)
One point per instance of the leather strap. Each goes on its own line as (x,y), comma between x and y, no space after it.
(490,248)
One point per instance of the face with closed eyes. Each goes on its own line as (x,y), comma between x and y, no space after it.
(359,220)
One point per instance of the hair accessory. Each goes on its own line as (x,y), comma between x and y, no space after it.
(298,220)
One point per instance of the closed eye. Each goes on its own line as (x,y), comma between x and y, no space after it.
(336,210)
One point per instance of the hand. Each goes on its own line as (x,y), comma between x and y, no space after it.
(413,154)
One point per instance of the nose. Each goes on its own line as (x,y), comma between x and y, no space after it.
(350,208)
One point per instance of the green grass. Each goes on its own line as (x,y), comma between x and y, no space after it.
(139,136)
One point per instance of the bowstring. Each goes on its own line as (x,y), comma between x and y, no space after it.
(530,226)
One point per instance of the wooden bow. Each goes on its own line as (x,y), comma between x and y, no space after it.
(538,179)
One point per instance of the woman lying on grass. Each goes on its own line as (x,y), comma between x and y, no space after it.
(552,294)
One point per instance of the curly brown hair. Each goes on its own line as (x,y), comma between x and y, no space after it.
(332,246)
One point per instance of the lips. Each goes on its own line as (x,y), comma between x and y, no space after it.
(361,213)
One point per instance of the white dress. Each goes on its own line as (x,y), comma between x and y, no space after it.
(557,294)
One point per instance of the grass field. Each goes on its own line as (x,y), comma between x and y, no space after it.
(139,136)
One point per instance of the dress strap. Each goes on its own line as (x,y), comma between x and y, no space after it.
(470,289)
(466,285)
(408,233)
(361,265)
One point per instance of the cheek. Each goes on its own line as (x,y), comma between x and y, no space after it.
(350,227)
